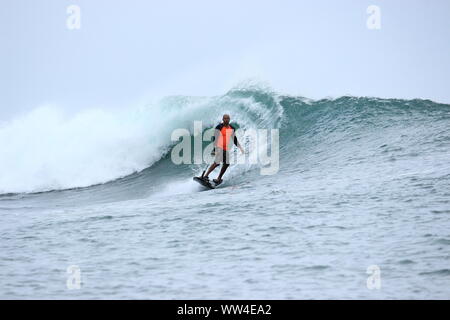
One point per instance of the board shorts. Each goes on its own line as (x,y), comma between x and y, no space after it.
(222,156)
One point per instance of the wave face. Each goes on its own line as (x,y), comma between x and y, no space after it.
(48,150)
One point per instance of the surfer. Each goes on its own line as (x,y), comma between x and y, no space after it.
(223,135)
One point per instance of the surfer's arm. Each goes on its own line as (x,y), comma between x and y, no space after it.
(235,139)
(236,142)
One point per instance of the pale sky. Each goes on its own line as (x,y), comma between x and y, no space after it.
(127,51)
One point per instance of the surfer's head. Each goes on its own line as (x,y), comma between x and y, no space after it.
(226,119)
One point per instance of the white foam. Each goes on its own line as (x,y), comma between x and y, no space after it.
(48,149)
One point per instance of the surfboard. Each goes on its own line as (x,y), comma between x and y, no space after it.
(204,183)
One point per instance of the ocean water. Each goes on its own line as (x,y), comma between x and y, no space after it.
(363,184)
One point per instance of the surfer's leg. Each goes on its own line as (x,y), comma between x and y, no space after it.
(210,169)
(222,171)
(219,157)
(226,164)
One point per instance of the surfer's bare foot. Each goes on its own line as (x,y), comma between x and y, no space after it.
(217,181)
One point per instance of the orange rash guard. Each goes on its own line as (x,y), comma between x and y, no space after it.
(224,136)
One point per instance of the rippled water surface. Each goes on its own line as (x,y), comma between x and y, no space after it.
(362,182)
